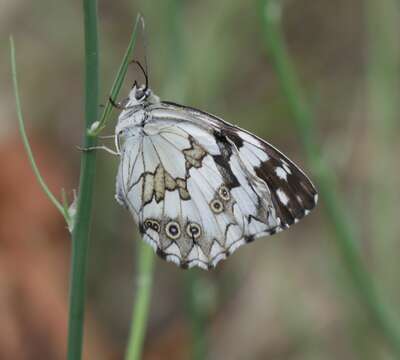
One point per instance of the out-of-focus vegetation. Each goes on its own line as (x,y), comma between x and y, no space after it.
(284,297)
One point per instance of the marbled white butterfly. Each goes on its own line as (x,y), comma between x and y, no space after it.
(199,187)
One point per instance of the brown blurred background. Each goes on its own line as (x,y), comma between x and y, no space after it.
(284,297)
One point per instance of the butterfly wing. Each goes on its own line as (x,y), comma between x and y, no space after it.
(199,187)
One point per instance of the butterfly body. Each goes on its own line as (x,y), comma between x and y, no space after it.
(199,187)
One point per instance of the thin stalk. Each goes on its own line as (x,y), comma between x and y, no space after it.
(344,234)
(25,140)
(80,233)
(119,80)
(142,301)
(383,111)
(197,311)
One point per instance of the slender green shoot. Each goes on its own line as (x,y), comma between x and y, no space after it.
(98,126)
(383,60)
(25,140)
(82,219)
(64,201)
(142,301)
(348,244)
(197,309)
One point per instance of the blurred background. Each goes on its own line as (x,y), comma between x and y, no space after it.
(283,297)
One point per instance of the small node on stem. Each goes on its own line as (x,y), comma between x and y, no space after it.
(93,128)
(72,211)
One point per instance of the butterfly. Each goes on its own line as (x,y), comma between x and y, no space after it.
(199,187)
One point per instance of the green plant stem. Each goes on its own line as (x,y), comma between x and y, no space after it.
(270,11)
(25,140)
(197,312)
(142,301)
(382,20)
(80,233)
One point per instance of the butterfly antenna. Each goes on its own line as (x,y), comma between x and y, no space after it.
(145,50)
(143,71)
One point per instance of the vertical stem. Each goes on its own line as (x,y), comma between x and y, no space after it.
(80,233)
(342,228)
(383,110)
(197,314)
(142,301)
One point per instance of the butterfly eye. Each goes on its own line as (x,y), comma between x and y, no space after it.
(224,193)
(217,206)
(193,230)
(173,230)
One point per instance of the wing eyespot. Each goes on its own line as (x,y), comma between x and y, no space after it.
(224,194)
(217,206)
(173,230)
(193,230)
(152,224)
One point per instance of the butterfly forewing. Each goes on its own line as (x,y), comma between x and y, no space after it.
(199,187)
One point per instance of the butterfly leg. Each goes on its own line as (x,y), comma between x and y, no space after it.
(101,147)
(106,136)
(115,104)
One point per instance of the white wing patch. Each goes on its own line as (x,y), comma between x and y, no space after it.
(281,173)
(282,197)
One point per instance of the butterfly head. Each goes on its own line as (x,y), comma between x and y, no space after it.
(138,94)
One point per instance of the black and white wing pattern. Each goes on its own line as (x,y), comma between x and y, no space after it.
(199,187)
